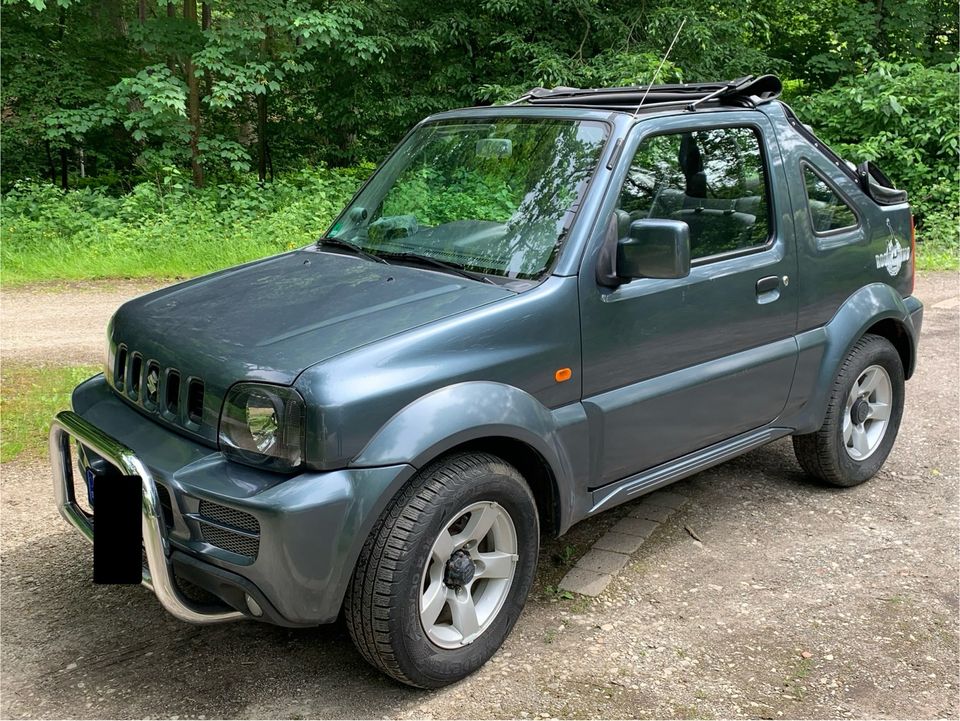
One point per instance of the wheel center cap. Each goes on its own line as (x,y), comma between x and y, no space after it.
(459,570)
(860,412)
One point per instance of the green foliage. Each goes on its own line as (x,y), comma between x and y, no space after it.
(342,80)
(166,228)
(439,200)
(99,95)
(904,118)
(156,103)
(821,41)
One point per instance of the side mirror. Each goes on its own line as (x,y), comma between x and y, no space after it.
(655,248)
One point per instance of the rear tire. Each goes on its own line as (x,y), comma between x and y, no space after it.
(863,416)
(443,577)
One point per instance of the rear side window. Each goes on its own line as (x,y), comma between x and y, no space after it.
(828,211)
(713,180)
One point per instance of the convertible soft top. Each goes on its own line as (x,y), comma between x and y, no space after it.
(748,91)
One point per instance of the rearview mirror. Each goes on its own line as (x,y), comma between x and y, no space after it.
(494,148)
(655,248)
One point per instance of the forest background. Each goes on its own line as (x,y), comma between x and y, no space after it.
(146,139)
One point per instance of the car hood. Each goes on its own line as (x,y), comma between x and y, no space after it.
(271,319)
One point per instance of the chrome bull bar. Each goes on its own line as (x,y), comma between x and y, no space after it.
(158,575)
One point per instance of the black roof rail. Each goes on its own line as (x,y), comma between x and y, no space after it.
(748,91)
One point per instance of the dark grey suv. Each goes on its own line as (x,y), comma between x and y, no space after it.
(528,315)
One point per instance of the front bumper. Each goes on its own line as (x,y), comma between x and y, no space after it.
(311,526)
(157,573)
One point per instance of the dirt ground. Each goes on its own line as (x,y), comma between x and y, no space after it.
(799,601)
(62,323)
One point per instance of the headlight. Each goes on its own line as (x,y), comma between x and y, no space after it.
(263,425)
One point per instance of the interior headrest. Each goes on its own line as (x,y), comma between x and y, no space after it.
(690,159)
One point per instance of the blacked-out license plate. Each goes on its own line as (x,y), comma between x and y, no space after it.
(117,528)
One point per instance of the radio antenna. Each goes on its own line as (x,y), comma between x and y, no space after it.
(660,67)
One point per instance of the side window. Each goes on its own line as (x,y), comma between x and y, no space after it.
(713,180)
(828,211)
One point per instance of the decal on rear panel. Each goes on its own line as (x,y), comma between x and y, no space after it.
(893,257)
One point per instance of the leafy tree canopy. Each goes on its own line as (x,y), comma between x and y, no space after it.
(110,92)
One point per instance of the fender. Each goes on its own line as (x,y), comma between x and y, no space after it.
(448,417)
(822,350)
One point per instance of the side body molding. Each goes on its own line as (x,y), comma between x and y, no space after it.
(823,349)
(474,410)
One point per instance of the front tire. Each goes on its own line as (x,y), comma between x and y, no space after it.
(442,579)
(863,416)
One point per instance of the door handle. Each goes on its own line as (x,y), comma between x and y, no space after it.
(768,284)
(768,289)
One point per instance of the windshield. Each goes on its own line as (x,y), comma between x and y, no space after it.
(492,195)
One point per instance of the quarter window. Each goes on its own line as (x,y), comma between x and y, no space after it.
(828,211)
(713,180)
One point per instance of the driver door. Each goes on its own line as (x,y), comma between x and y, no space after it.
(673,366)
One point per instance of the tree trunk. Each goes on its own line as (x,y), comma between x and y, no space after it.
(141,21)
(262,137)
(61,30)
(63,169)
(262,147)
(193,101)
(50,164)
(270,163)
(171,13)
(114,9)
(206,19)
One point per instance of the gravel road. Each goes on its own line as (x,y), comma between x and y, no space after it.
(800,602)
(62,323)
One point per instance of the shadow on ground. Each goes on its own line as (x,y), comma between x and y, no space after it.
(112,652)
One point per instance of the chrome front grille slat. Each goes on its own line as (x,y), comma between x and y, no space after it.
(158,389)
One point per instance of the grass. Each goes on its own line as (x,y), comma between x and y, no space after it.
(938,235)
(29,398)
(937,255)
(135,253)
(163,230)
(168,230)
(799,671)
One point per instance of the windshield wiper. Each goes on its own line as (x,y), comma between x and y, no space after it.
(442,265)
(347,245)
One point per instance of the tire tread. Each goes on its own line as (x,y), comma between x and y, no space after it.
(817,452)
(373,587)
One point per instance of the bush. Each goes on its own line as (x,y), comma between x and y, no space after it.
(903,117)
(165,229)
